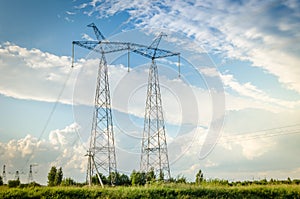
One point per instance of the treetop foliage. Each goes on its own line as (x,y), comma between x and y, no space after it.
(55,176)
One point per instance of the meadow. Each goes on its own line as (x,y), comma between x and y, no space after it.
(156,191)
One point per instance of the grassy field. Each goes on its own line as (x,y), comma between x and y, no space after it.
(156,191)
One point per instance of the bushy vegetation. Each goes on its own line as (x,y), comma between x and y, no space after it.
(148,185)
(170,190)
(13,183)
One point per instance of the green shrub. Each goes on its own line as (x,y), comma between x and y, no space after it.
(13,183)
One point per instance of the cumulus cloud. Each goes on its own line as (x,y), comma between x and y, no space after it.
(33,74)
(62,149)
(63,137)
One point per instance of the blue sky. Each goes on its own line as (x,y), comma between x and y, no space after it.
(240,71)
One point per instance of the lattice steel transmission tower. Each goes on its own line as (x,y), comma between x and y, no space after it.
(4,174)
(101,153)
(17,175)
(30,175)
(154,153)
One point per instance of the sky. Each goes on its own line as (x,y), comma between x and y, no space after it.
(234,112)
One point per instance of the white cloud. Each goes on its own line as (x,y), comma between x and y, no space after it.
(33,58)
(87,37)
(70,13)
(210,71)
(256,148)
(256,97)
(63,149)
(36,75)
(65,136)
(210,163)
(244,31)
(68,19)
(81,6)
(33,74)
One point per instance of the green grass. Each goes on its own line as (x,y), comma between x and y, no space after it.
(156,191)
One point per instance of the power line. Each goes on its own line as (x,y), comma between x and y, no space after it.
(284,130)
(50,115)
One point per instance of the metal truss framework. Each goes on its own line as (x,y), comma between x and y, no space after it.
(4,174)
(101,153)
(154,153)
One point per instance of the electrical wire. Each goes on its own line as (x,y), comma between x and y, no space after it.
(241,137)
(50,115)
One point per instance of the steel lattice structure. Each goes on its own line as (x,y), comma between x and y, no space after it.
(101,153)
(102,144)
(4,174)
(154,153)
(30,175)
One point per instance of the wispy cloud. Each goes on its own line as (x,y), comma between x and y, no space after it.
(68,19)
(81,6)
(87,37)
(252,92)
(238,30)
(70,13)
(45,73)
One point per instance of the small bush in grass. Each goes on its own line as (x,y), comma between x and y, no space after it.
(13,183)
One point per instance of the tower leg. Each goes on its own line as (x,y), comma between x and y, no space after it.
(154,153)
(102,146)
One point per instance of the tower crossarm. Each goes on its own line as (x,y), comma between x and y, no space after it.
(110,47)
(154,53)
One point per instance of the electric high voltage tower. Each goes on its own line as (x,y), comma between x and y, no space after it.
(101,153)
(154,153)
(4,174)
(30,175)
(17,175)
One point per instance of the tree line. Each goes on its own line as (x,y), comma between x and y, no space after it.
(138,178)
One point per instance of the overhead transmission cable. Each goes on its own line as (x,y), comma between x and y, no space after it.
(51,113)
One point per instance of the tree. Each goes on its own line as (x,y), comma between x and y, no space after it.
(113,178)
(150,177)
(1,181)
(58,177)
(95,179)
(55,176)
(161,176)
(181,179)
(51,176)
(133,177)
(199,177)
(138,178)
(124,180)
(68,182)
